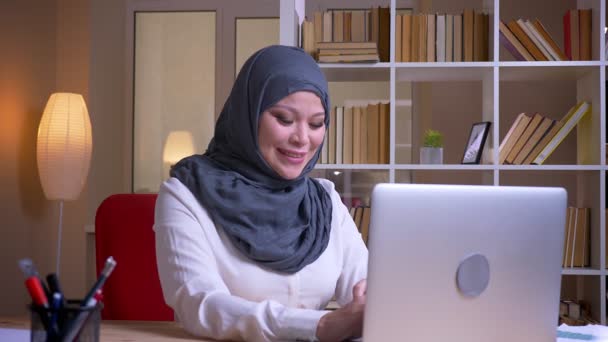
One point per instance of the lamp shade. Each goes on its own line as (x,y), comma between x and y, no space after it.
(179,144)
(64,145)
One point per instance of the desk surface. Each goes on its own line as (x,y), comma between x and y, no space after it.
(118,331)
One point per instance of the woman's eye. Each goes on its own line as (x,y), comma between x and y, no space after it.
(317,125)
(283,120)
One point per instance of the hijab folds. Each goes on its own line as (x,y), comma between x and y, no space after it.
(280,224)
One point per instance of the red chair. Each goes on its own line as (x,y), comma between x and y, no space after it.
(123,229)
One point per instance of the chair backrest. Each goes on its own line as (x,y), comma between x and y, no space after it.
(123,229)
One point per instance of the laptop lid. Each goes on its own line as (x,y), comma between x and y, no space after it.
(464,263)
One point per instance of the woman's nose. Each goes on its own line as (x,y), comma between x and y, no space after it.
(300,136)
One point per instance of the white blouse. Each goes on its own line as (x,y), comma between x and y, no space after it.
(217,292)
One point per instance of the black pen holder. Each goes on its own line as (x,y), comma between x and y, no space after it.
(70,322)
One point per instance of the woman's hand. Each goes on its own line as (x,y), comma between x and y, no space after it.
(346,321)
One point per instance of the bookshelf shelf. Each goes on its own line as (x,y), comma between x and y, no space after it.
(442,167)
(450,96)
(353,166)
(551,167)
(546,72)
(583,271)
(359,72)
(475,71)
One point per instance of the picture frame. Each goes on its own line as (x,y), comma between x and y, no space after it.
(476,142)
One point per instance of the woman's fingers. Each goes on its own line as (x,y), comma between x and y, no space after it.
(360,288)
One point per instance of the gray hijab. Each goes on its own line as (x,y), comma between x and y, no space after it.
(281,224)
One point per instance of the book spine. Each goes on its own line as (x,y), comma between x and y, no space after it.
(561,135)
(507,44)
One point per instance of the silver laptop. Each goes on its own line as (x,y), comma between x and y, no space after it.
(464,263)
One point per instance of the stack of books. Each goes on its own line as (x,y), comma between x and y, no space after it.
(348,26)
(531,139)
(347,52)
(529,41)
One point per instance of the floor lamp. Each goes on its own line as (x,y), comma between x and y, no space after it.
(63,151)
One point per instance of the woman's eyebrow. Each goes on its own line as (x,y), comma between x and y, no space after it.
(294,110)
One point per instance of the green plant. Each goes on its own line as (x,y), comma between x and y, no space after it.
(432,138)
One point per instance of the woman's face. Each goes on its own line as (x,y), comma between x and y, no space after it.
(290,132)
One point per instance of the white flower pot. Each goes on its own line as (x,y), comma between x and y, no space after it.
(431,155)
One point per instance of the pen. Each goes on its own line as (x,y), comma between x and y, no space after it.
(53,281)
(56,305)
(105,273)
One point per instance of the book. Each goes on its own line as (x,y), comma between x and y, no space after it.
(371,58)
(547,37)
(449,37)
(543,142)
(347,136)
(526,41)
(355,133)
(569,236)
(566,232)
(406,38)
(422,40)
(430,37)
(441,37)
(468,23)
(511,43)
(363,135)
(384,34)
(525,26)
(339,52)
(347,27)
(308,37)
(318,26)
(457,50)
(324,149)
(327,26)
(384,136)
(541,130)
(364,228)
(338,26)
(331,147)
(339,123)
(581,239)
(415,45)
(373,133)
(571,34)
(523,138)
(358,26)
(347,45)
(569,121)
(584,34)
(398,39)
(517,128)
(358,216)
(479,36)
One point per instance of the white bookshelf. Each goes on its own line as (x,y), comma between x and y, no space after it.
(583,175)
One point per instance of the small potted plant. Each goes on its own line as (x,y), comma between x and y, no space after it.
(431,151)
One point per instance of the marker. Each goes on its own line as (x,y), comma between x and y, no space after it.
(35,288)
(105,273)
(33,284)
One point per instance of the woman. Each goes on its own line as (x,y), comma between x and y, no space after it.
(248,246)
